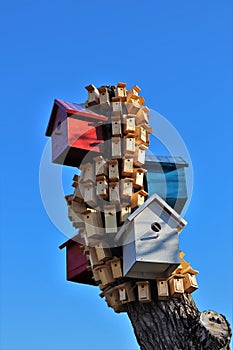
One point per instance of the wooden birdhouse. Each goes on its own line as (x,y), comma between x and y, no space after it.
(89,194)
(102,186)
(116,106)
(102,251)
(120,91)
(126,186)
(127,165)
(141,134)
(138,177)
(104,97)
(113,172)
(116,125)
(190,283)
(116,147)
(78,196)
(105,274)
(124,212)
(138,198)
(129,144)
(142,116)
(96,277)
(139,155)
(128,124)
(133,91)
(110,218)
(114,193)
(176,285)
(93,258)
(76,263)
(144,291)
(115,265)
(133,104)
(93,224)
(101,166)
(112,299)
(75,132)
(150,242)
(78,208)
(163,289)
(87,172)
(126,292)
(93,95)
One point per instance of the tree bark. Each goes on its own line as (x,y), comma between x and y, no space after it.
(177,324)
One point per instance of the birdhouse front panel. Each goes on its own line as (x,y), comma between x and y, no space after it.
(113,171)
(104,97)
(128,124)
(102,187)
(144,291)
(138,177)
(176,286)
(129,145)
(114,193)
(124,212)
(139,155)
(116,147)
(116,126)
(163,289)
(110,218)
(126,186)
(120,90)
(190,283)
(127,165)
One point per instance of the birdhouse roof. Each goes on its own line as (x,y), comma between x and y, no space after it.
(74,109)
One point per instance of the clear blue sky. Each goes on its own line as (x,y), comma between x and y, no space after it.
(180,54)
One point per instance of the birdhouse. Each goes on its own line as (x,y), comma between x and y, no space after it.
(133,91)
(93,258)
(75,132)
(76,263)
(138,177)
(124,212)
(139,155)
(87,173)
(116,125)
(116,106)
(110,218)
(114,195)
(166,177)
(129,144)
(113,172)
(115,264)
(163,290)
(176,285)
(133,104)
(102,186)
(126,188)
(126,293)
(190,283)
(144,291)
(120,91)
(101,166)
(104,97)
(138,198)
(116,147)
(89,194)
(127,165)
(96,277)
(105,274)
(78,197)
(141,134)
(128,124)
(112,299)
(78,208)
(103,252)
(150,240)
(93,224)
(142,116)
(93,95)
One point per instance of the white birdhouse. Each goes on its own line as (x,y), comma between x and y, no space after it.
(150,240)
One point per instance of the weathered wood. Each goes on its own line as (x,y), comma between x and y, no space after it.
(177,324)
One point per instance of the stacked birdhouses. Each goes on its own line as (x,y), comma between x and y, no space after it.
(127,243)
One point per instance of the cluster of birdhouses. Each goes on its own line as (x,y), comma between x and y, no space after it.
(129,240)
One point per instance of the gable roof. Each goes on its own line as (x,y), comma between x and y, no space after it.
(73,109)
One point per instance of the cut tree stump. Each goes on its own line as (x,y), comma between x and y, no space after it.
(177,324)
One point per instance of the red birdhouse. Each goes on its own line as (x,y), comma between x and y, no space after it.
(75,131)
(77,263)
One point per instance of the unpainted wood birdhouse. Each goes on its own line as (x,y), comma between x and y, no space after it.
(133,91)
(120,91)
(113,172)
(112,299)
(129,144)
(76,263)
(101,166)
(128,124)
(126,292)
(104,98)
(89,194)
(114,192)
(116,106)
(150,242)
(115,264)
(116,147)
(133,104)
(126,186)
(190,283)
(93,224)
(102,251)
(138,177)
(142,116)
(102,186)
(144,291)
(93,95)
(105,274)
(75,132)
(125,212)
(110,218)
(87,172)
(138,198)
(116,126)
(163,289)
(139,155)
(93,258)
(127,165)
(176,285)
(141,135)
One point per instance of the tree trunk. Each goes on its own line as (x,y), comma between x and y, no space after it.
(177,324)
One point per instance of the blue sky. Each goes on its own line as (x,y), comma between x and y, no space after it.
(180,54)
